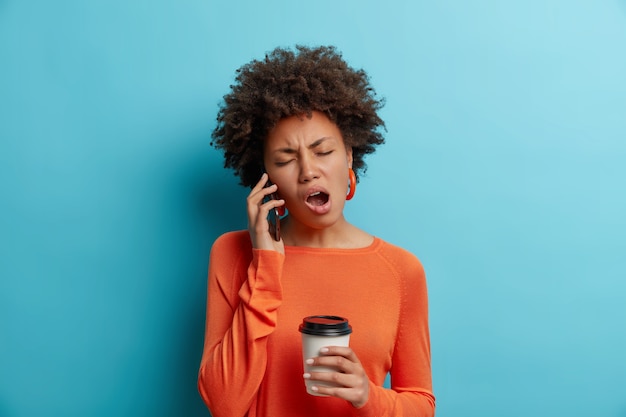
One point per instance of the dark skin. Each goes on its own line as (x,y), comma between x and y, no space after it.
(353,381)
(305,154)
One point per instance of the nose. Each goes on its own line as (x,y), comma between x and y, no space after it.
(308,170)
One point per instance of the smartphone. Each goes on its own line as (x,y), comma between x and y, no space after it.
(272,217)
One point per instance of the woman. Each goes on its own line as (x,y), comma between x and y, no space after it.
(304,120)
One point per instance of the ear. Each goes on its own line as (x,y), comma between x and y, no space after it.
(349,156)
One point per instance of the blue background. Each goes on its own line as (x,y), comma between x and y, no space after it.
(503,171)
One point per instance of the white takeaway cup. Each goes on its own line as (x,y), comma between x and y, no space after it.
(318,332)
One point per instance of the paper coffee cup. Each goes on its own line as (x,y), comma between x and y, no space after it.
(318,332)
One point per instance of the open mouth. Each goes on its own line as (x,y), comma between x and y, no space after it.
(317,198)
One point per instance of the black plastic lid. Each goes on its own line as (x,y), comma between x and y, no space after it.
(325,326)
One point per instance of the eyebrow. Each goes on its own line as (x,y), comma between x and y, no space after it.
(311,146)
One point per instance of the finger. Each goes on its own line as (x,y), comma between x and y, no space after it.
(260,190)
(340,392)
(258,212)
(354,395)
(256,196)
(344,351)
(351,377)
(339,363)
(338,379)
(259,209)
(262,182)
(272,204)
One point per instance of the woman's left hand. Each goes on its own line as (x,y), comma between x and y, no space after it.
(350,376)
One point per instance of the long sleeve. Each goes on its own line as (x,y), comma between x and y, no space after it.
(242,306)
(411,386)
(252,360)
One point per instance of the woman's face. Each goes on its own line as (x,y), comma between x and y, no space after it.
(308,160)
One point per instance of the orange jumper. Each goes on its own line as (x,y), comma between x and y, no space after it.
(252,361)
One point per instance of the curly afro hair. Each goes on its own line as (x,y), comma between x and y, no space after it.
(295,82)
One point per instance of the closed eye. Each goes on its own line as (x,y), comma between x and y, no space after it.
(282,163)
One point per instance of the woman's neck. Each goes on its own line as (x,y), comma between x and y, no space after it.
(341,235)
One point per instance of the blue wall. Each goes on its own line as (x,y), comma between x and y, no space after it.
(504,172)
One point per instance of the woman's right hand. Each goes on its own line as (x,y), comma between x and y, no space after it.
(258,226)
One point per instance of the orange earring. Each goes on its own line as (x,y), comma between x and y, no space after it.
(352,184)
